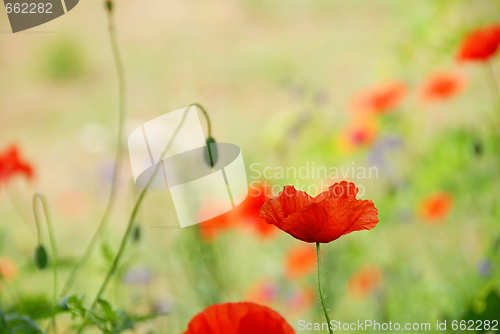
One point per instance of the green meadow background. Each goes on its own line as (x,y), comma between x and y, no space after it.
(277,78)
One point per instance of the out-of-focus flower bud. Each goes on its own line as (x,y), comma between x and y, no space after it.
(211,155)
(41,258)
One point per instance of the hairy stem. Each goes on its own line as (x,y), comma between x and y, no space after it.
(321,289)
(45,207)
(118,158)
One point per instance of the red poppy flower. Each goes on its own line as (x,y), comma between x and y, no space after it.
(238,318)
(300,260)
(436,207)
(380,99)
(11,165)
(366,280)
(327,217)
(442,86)
(480,44)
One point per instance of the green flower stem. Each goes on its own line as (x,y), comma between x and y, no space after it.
(321,289)
(6,288)
(209,125)
(118,158)
(131,221)
(45,207)
(494,79)
(12,198)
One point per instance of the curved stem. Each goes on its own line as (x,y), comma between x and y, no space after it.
(45,207)
(321,290)
(130,225)
(209,124)
(119,148)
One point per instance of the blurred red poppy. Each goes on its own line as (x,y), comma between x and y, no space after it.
(327,217)
(210,229)
(8,269)
(436,207)
(249,212)
(365,281)
(380,99)
(480,44)
(11,165)
(300,260)
(441,86)
(246,214)
(238,318)
(357,135)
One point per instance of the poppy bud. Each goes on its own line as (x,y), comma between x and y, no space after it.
(109,6)
(136,237)
(211,155)
(478,147)
(41,258)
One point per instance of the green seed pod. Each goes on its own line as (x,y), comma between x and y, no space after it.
(478,147)
(211,155)
(136,237)
(41,258)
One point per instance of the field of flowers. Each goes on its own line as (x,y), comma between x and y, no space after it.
(380,118)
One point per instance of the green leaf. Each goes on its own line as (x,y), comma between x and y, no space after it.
(20,324)
(107,309)
(63,303)
(3,324)
(32,306)
(490,310)
(75,306)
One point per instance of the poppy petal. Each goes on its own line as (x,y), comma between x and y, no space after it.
(331,219)
(292,200)
(288,201)
(238,318)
